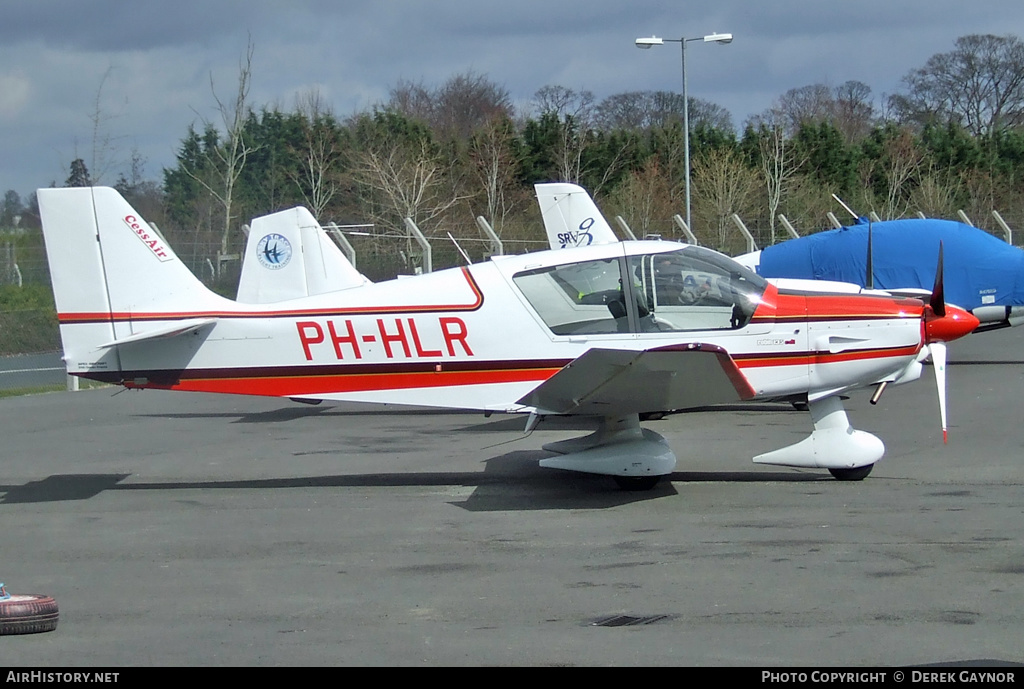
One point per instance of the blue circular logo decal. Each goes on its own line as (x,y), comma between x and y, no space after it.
(274,251)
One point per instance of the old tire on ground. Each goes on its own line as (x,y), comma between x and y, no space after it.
(858,474)
(27,614)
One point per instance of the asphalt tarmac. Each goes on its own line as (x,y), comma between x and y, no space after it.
(179,529)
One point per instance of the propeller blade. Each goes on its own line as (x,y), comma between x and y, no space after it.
(938,354)
(938,300)
(870,282)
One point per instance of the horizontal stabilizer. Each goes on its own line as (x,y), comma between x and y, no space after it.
(179,328)
(609,382)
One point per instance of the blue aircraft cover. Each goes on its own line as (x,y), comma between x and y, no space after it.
(979,269)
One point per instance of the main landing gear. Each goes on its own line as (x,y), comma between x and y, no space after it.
(635,457)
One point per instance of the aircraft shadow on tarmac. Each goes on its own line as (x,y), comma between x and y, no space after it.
(499,422)
(510,482)
(301,411)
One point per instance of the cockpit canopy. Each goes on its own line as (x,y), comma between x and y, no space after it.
(690,288)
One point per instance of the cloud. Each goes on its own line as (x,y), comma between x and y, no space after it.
(161,56)
(14,95)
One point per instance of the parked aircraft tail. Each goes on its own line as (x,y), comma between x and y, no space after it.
(110,273)
(571,218)
(289,255)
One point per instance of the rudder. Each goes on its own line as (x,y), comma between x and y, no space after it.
(108,267)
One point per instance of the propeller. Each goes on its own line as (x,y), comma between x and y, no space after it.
(937,350)
(943,324)
(870,282)
(938,300)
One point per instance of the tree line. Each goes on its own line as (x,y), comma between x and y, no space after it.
(952,139)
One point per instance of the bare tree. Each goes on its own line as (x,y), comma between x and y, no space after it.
(704,113)
(979,85)
(469,102)
(938,193)
(102,144)
(408,180)
(646,109)
(462,105)
(644,198)
(318,178)
(902,161)
(565,102)
(630,110)
(573,111)
(493,163)
(805,105)
(722,185)
(778,162)
(412,99)
(847,107)
(228,159)
(852,110)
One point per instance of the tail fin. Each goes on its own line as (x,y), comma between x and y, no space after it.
(571,217)
(111,273)
(289,255)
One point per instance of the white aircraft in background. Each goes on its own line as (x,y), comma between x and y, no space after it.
(289,255)
(600,331)
(571,218)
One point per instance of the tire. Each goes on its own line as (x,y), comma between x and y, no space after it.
(637,483)
(858,474)
(28,614)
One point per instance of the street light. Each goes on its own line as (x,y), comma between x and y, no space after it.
(647,44)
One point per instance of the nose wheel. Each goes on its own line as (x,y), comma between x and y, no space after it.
(857,474)
(636,483)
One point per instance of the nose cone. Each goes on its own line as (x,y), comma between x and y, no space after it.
(954,325)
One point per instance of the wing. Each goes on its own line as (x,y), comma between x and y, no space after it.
(612,382)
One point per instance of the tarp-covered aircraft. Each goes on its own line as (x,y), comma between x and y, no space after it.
(599,331)
(982,273)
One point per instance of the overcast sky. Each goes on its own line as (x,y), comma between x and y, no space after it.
(146,67)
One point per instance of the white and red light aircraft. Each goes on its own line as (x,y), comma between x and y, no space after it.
(590,331)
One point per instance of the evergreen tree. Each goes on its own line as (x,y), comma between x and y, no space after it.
(79,176)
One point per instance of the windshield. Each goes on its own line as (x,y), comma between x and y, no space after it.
(697,289)
(688,289)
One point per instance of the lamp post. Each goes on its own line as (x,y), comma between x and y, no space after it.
(647,43)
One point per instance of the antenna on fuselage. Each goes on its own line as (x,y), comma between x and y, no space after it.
(461,250)
(869,279)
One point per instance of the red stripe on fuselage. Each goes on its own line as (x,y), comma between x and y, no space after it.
(319,384)
(810,358)
(104,317)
